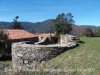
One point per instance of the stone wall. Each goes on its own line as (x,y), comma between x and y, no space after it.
(67,38)
(28,56)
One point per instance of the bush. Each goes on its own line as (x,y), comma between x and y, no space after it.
(3,42)
(97,32)
(88,32)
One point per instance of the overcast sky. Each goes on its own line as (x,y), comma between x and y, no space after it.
(85,12)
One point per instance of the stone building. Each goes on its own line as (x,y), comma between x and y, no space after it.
(28,56)
(19,35)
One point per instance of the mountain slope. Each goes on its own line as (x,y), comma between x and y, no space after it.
(5,24)
(39,27)
(91,26)
(46,27)
(77,30)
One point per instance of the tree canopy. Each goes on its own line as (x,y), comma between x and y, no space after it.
(88,32)
(3,41)
(16,24)
(63,23)
(97,32)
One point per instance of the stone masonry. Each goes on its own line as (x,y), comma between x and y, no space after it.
(25,56)
(29,56)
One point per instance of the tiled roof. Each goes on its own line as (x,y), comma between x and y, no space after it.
(44,34)
(18,34)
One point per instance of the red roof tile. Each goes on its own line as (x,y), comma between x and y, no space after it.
(44,34)
(18,34)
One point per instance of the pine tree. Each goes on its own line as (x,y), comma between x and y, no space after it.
(16,24)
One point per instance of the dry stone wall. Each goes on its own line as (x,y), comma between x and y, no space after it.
(68,38)
(28,56)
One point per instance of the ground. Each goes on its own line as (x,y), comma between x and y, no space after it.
(81,60)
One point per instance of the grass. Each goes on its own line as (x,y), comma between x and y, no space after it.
(82,60)
(5,62)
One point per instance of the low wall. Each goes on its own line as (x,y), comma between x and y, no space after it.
(27,56)
(67,38)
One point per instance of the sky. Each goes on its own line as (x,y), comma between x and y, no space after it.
(85,12)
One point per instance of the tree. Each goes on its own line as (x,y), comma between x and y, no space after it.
(16,24)
(97,32)
(88,32)
(3,41)
(63,24)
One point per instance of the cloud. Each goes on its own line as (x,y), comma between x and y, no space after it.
(4,9)
(6,18)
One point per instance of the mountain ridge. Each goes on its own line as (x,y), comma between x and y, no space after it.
(46,27)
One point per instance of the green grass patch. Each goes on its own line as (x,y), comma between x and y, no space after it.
(82,60)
